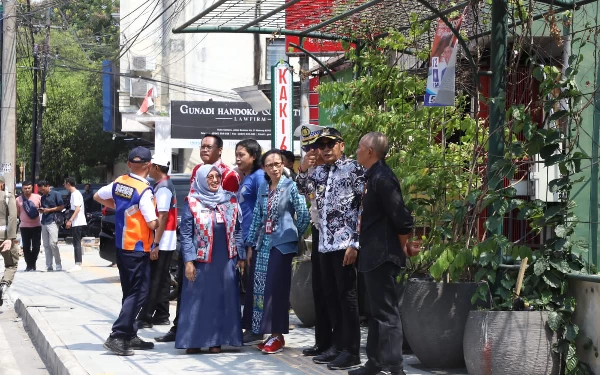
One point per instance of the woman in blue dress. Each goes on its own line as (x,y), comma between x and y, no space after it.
(280,218)
(210,234)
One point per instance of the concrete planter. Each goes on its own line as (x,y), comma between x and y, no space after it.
(433,317)
(509,343)
(301,297)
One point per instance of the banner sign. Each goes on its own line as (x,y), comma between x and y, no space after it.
(228,120)
(282,106)
(442,66)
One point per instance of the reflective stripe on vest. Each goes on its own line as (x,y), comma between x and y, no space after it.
(131,231)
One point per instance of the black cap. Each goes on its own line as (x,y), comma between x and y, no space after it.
(139,155)
(331,133)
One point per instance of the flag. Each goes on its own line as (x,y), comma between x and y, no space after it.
(442,67)
(146,103)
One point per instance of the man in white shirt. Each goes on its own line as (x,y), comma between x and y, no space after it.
(156,310)
(76,221)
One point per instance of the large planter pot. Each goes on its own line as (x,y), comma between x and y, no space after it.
(509,343)
(301,296)
(433,319)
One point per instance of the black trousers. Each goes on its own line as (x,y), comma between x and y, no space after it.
(384,343)
(180,274)
(340,293)
(323,329)
(134,271)
(76,232)
(32,239)
(157,304)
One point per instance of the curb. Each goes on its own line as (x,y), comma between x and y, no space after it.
(51,348)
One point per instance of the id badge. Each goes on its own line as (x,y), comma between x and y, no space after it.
(219,218)
(269,227)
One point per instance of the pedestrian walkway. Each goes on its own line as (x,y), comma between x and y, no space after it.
(70,316)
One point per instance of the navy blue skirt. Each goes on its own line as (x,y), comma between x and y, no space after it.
(276,310)
(210,306)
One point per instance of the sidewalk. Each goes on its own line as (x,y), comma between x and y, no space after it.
(70,316)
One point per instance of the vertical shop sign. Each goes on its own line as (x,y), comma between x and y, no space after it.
(282,112)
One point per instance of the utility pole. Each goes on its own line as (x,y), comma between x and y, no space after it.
(8,115)
(34,151)
(42,104)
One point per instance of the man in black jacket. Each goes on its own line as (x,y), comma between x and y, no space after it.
(384,226)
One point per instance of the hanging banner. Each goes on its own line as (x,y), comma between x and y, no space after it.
(442,65)
(281,102)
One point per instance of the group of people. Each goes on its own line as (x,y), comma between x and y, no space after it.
(247,222)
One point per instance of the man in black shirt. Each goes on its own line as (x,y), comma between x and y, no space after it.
(384,226)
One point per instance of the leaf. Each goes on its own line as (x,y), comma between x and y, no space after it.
(572,332)
(552,280)
(493,222)
(561,265)
(540,266)
(554,320)
(508,284)
(572,360)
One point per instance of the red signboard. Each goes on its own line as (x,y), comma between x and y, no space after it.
(307,13)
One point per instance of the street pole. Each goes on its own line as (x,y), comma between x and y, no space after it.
(34,149)
(8,118)
(304,91)
(42,104)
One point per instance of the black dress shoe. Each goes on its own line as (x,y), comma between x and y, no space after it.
(141,324)
(138,343)
(367,369)
(118,345)
(344,361)
(162,322)
(313,351)
(168,337)
(327,356)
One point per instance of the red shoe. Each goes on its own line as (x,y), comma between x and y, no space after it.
(274,345)
(262,344)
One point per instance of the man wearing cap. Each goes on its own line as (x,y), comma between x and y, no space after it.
(210,153)
(132,198)
(9,245)
(323,331)
(156,310)
(338,187)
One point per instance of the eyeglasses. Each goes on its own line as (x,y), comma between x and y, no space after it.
(310,147)
(324,145)
(213,177)
(274,165)
(206,147)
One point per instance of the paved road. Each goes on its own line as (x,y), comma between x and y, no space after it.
(71,314)
(17,353)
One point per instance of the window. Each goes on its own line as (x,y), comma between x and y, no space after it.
(275,52)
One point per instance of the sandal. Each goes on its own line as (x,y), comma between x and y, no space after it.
(193,351)
(214,350)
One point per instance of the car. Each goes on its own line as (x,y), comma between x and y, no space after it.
(107,233)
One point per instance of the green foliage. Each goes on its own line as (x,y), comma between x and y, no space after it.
(73,142)
(436,175)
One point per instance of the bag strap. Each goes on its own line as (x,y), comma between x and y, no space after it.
(6,201)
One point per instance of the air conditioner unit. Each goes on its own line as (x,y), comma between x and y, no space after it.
(139,89)
(143,64)
(541,176)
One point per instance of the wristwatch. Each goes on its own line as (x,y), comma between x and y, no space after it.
(156,244)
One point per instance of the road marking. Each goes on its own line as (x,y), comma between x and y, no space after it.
(8,364)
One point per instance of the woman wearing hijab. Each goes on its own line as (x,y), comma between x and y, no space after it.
(210,300)
(280,218)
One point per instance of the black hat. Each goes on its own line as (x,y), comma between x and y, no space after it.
(331,133)
(139,155)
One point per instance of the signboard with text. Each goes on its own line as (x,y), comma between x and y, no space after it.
(281,106)
(304,14)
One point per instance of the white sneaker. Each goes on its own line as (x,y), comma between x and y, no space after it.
(75,268)
(59,267)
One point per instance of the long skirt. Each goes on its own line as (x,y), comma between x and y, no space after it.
(275,317)
(210,305)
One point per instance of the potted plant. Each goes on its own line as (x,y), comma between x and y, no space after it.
(536,330)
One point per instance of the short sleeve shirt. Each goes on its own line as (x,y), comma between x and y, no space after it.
(77,201)
(53,199)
